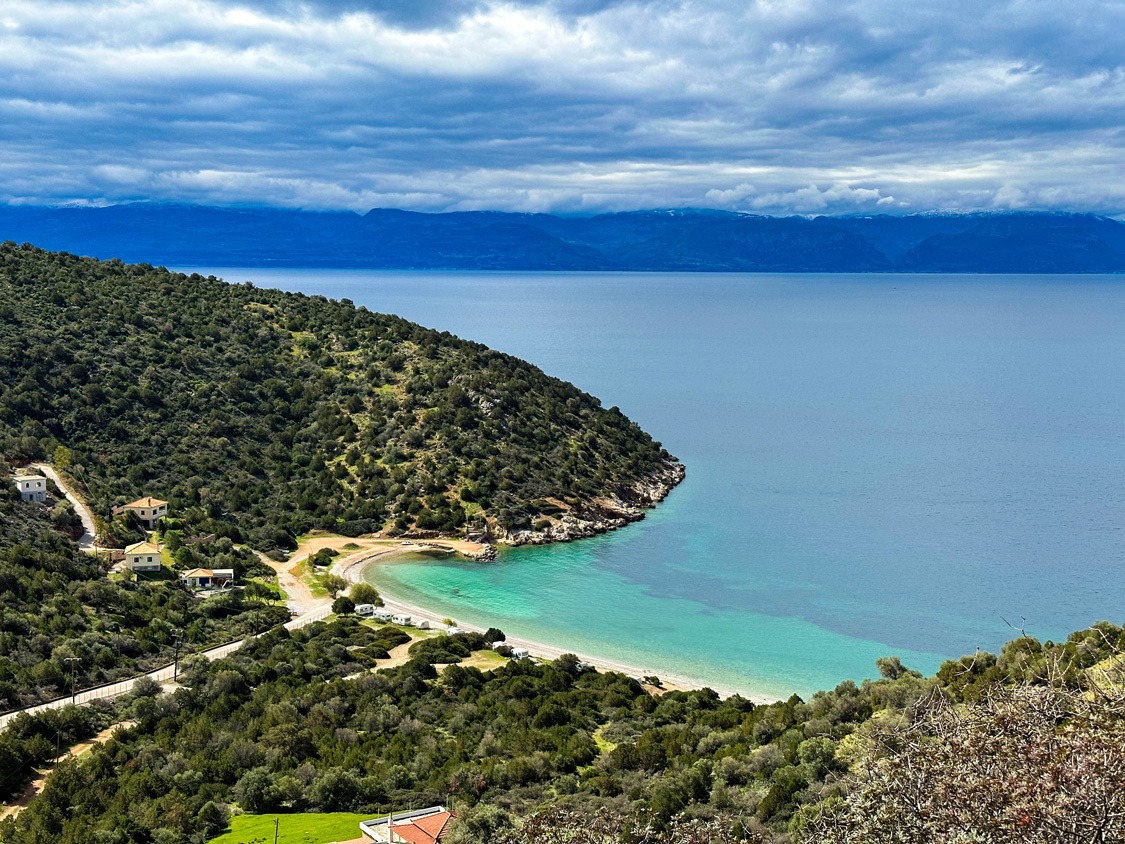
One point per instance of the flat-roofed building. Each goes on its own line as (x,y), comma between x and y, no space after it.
(31,487)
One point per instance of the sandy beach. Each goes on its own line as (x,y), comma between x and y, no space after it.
(353,567)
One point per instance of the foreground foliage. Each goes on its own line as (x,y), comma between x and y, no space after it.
(1030,764)
(296,722)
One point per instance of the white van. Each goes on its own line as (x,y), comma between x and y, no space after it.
(366,610)
(404,620)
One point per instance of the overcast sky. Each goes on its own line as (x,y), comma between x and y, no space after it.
(774,106)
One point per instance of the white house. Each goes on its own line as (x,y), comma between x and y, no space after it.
(32,487)
(143,556)
(148,509)
(208,578)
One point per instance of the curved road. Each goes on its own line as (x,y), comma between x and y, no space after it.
(89,531)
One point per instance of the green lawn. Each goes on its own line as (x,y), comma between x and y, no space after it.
(308,828)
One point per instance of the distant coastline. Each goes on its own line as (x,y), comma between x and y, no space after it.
(676,240)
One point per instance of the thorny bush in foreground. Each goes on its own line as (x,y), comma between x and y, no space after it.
(1023,765)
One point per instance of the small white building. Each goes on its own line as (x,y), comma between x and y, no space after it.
(143,557)
(148,509)
(32,487)
(208,578)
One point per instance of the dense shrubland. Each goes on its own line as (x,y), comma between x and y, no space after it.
(534,752)
(260,414)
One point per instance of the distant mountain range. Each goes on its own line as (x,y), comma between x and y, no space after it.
(681,240)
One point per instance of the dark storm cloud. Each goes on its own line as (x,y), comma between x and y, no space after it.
(569,105)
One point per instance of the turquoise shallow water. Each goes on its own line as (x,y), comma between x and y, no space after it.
(876,464)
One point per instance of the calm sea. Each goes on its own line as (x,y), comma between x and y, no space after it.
(877,464)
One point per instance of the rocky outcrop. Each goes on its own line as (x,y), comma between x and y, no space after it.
(602,514)
(486,555)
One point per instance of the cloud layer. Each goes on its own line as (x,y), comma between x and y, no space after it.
(773,106)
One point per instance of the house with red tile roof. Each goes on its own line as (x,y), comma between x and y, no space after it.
(148,509)
(420,826)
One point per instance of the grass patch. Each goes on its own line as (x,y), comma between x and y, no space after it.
(604,745)
(304,828)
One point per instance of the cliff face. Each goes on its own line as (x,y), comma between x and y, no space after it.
(601,514)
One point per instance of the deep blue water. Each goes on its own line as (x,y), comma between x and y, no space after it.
(876,463)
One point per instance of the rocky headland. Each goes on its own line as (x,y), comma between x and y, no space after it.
(600,514)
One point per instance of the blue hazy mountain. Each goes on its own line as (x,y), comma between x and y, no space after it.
(704,240)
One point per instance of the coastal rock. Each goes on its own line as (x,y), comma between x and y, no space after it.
(602,514)
(486,555)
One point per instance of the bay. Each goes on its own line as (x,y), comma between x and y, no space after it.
(877,464)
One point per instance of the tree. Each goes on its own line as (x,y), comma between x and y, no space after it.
(257,590)
(891,668)
(365,593)
(333,584)
(343,605)
(257,792)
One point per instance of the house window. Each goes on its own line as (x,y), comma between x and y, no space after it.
(150,559)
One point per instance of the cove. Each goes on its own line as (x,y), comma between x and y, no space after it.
(877,464)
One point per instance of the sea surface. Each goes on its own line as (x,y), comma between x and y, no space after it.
(877,464)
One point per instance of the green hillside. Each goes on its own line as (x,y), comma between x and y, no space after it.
(260,414)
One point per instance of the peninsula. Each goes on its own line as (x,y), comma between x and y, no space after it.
(260,415)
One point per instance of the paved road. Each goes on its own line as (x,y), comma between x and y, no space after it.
(160,675)
(86,541)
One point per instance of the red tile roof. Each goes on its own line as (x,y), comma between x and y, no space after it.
(427,830)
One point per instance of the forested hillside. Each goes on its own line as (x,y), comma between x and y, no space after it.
(260,414)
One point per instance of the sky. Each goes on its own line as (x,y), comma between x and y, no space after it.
(567,106)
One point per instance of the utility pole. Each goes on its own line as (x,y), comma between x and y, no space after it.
(176,662)
(73,660)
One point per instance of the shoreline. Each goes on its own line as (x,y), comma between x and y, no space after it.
(353,568)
